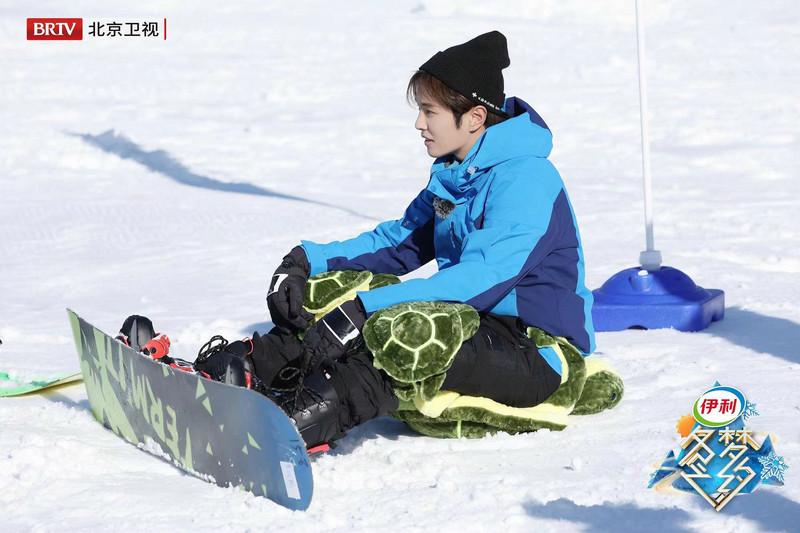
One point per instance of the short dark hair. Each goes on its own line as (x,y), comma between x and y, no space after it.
(422,82)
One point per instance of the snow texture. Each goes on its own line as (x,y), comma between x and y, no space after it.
(168,178)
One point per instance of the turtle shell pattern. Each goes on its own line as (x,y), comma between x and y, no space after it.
(413,342)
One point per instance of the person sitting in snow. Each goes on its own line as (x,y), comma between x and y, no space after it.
(497,219)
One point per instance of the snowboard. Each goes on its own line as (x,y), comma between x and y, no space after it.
(224,434)
(10,386)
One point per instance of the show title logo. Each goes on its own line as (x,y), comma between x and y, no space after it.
(719,457)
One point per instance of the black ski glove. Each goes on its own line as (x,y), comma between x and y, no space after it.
(287,292)
(332,335)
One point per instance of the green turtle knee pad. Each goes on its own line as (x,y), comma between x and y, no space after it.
(415,342)
(329,289)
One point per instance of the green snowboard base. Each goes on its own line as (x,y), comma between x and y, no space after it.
(11,386)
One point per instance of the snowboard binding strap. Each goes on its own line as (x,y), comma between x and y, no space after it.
(157,347)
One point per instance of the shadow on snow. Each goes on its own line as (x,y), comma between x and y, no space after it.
(760,333)
(613,517)
(768,508)
(163,163)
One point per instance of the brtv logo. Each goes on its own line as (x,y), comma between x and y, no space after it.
(55,29)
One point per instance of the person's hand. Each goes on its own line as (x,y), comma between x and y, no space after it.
(287,292)
(330,336)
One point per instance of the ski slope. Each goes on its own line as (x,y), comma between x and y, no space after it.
(168,178)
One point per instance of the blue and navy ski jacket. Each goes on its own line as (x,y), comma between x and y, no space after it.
(510,246)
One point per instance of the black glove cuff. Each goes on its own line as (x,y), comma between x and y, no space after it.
(354,310)
(346,321)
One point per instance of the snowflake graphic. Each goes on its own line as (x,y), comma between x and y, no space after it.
(774,466)
(749,410)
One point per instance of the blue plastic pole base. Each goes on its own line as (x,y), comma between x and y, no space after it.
(665,298)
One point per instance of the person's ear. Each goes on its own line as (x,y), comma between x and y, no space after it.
(477,118)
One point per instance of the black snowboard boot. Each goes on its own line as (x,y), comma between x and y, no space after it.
(136,331)
(314,405)
(326,400)
(228,362)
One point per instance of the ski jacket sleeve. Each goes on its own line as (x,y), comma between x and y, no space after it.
(519,231)
(393,247)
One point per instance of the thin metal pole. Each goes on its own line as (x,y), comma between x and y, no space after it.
(650,259)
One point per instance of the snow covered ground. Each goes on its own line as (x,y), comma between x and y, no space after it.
(152,176)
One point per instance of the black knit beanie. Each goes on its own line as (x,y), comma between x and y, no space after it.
(474,69)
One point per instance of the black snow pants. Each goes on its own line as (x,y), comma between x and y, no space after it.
(499,362)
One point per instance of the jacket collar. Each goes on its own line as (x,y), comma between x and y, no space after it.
(524,134)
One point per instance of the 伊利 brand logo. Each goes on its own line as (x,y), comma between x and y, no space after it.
(719,457)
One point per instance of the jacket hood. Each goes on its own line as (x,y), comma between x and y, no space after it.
(524,134)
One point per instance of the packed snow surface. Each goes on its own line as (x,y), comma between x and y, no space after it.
(168,178)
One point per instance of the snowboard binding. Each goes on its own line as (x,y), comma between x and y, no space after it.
(303,390)
(138,333)
(229,362)
(157,347)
